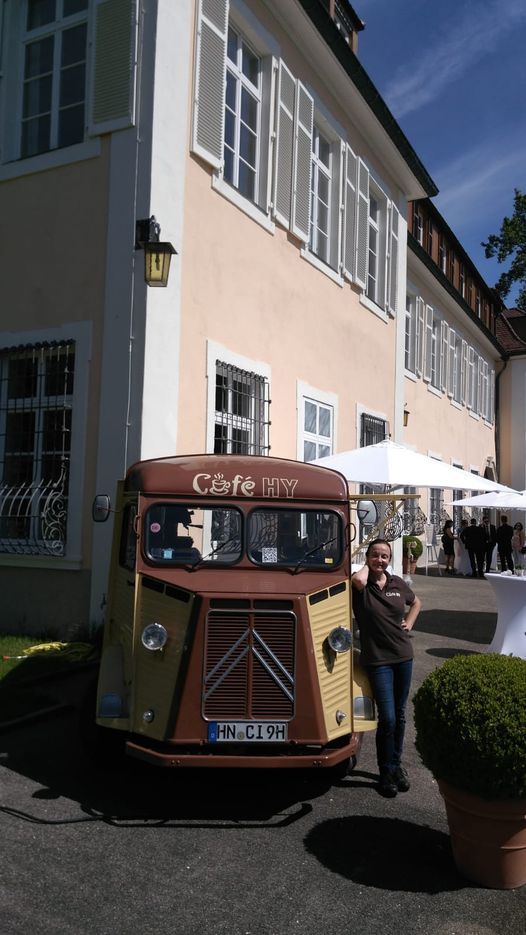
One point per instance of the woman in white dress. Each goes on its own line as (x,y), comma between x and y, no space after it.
(462,562)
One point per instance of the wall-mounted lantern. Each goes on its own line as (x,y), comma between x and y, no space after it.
(157,254)
(406,416)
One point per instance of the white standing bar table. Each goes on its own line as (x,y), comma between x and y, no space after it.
(510,633)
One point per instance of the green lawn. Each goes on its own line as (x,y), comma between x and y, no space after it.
(24,684)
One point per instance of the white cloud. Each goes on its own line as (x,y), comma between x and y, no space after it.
(476,32)
(480,178)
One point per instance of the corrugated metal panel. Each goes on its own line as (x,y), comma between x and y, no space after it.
(334,670)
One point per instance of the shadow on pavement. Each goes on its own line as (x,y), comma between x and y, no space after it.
(386,853)
(49,753)
(458,624)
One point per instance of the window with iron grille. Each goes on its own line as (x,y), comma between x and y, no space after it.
(373,430)
(36,393)
(241,412)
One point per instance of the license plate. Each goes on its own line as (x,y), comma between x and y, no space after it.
(247,731)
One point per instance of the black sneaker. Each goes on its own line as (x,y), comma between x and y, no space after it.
(387,785)
(401,779)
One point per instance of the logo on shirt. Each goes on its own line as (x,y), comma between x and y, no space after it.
(393,594)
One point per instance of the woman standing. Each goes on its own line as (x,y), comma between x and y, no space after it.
(448,544)
(517,544)
(380,602)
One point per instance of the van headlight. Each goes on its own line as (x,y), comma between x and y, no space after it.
(154,636)
(340,640)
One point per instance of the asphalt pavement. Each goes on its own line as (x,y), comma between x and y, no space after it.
(209,853)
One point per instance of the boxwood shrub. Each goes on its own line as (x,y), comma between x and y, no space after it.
(413,543)
(470,720)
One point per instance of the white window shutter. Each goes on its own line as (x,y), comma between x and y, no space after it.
(392,290)
(491,395)
(464,374)
(428,342)
(208,127)
(301,194)
(420,331)
(362,225)
(338,167)
(349,212)
(470,377)
(284,145)
(451,363)
(443,355)
(113,89)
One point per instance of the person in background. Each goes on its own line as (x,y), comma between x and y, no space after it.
(462,561)
(517,544)
(448,544)
(386,609)
(474,539)
(504,537)
(490,539)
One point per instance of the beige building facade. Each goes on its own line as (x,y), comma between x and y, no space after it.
(252,134)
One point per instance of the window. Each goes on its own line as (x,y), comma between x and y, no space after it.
(128,543)
(307,538)
(241,411)
(317,430)
(442,253)
(36,393)
(372,430)
(457,378)
(242,116)
(54,75)
(418,224)
(321,196)
(436,515)
(187,534)
(462,281)
(435,353)
(430,237)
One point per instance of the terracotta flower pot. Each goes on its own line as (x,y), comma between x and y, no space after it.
(488,838)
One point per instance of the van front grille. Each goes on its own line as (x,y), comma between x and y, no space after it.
(249,670)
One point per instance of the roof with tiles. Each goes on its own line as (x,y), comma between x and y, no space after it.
(510,329)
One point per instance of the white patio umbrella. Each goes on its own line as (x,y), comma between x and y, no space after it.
(395,466)
(514,500)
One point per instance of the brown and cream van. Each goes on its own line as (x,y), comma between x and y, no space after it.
(228,636)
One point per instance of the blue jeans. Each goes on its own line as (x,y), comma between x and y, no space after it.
(390,684)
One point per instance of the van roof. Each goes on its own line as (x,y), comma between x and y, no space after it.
(236,477)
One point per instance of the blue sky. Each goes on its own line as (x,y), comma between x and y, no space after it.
(454,75)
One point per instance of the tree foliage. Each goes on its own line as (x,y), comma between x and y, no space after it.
(511,242)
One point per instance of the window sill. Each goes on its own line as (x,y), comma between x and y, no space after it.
(456,404)
(40,561)
(51,160)
(411,376)
(374,308)
(248,207)
(434,390)
(321,266)
(474,415)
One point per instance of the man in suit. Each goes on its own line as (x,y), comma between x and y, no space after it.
(504,537)
(490,540)
(474,540)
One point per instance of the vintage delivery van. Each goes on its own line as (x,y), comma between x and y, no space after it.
(228,636)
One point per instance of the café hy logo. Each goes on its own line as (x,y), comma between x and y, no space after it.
(218,486)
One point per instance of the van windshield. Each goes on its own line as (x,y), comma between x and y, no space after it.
(183,534)
(297,538)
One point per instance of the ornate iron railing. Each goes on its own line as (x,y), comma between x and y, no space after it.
(33,517)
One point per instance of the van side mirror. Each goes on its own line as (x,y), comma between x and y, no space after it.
(101,508)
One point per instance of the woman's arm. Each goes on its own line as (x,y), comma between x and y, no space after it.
(360,578)
(410,618)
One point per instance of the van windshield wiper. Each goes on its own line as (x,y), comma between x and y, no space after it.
(320,545)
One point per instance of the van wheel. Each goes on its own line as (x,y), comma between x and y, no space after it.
(104,746)
(341,770)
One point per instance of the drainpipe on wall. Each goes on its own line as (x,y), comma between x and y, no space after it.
(497,408)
